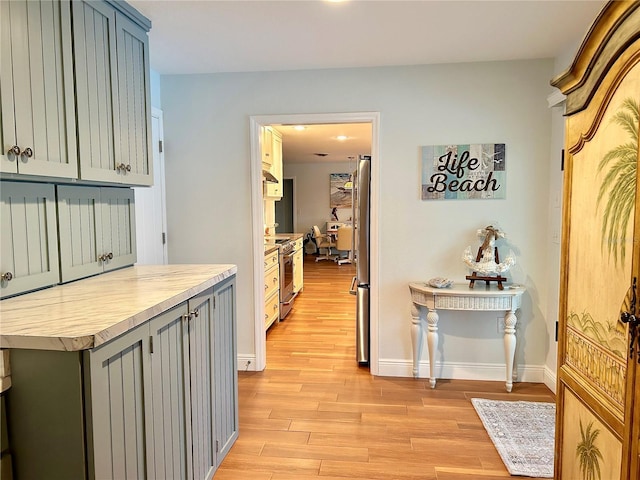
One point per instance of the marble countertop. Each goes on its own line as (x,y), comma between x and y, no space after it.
(89,312)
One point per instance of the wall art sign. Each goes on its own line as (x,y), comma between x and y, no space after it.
(464,171)
(340,192)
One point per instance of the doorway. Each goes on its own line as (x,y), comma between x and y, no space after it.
(256,123)
(285,216)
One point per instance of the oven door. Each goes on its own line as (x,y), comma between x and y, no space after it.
(286,284)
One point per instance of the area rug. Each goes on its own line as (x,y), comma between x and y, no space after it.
(523,433)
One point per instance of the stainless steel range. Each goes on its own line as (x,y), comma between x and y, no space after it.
(286,248)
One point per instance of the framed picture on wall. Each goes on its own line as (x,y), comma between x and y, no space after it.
(340,194)
(471,171)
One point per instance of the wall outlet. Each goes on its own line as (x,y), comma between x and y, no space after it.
(500,324)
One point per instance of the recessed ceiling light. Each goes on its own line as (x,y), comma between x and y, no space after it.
(342,138)
(299,127)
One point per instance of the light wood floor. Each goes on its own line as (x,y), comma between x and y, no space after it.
(314,414)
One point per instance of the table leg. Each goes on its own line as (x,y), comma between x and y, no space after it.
(416,337)
(510,321)
(432,344)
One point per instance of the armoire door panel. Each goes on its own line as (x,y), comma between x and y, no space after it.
(597,406)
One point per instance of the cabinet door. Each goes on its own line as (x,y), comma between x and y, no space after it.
(118,228)
(28,242)
(275,189)
(203,383)
(114,113)
(36,83)
(134,110)
(94,35)
(267,158)
(119,426)
(81,238)
(226,367)
(171,396)
(298,272)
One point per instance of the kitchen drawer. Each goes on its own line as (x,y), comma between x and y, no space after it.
(298,244)
(271,281)
(270,260)
(271,309)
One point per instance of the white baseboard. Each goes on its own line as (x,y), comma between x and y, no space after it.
(550,379)
(246,363)
(463,371)
(449,370)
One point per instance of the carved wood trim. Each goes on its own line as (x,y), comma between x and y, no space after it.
(576,144)
(613,31)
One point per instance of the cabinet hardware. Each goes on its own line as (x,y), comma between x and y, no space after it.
(15,150)
(7,277)
(151,344)
(633,321)
(106,256)
(160,146)
(194,313)
(27,152)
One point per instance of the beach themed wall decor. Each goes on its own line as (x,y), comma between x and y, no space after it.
(340,192)
(474,171)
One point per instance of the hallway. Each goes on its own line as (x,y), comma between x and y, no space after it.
(315,414)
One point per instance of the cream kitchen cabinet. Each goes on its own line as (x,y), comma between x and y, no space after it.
(97,230)
(111,50)
(298,266)
(28,241)
(271,288)
(37,123)
(156,402)
(272,156)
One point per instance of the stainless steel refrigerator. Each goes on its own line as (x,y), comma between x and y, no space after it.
(361,192)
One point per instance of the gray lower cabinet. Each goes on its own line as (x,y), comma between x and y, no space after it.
(28,238)
(37,120)
(225,367)
(113,94)
(158,402)
(97,230)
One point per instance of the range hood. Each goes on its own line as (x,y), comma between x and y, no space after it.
(268,177)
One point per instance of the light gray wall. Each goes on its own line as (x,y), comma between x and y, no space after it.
(154,83)
(208,185)
(312,192)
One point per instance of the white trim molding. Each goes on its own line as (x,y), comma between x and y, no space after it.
(464,371)
(556,98)
(255,124)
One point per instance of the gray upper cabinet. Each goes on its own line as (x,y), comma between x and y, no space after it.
(29,248)
(97,230)
(113,95)
(37,124)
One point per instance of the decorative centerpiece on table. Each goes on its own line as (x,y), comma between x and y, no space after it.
(486,265)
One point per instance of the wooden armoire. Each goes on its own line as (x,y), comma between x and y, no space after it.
(598,394)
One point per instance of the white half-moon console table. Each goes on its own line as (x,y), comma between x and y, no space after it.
(460,297)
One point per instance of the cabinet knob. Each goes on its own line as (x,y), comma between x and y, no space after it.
(7,277)
(195,313)
(266,287)
(15,150)
(105,257)
(128,168)
(27,152)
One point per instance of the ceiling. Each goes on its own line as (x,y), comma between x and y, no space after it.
(210,36)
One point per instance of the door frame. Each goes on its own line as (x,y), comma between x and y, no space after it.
(257,215)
